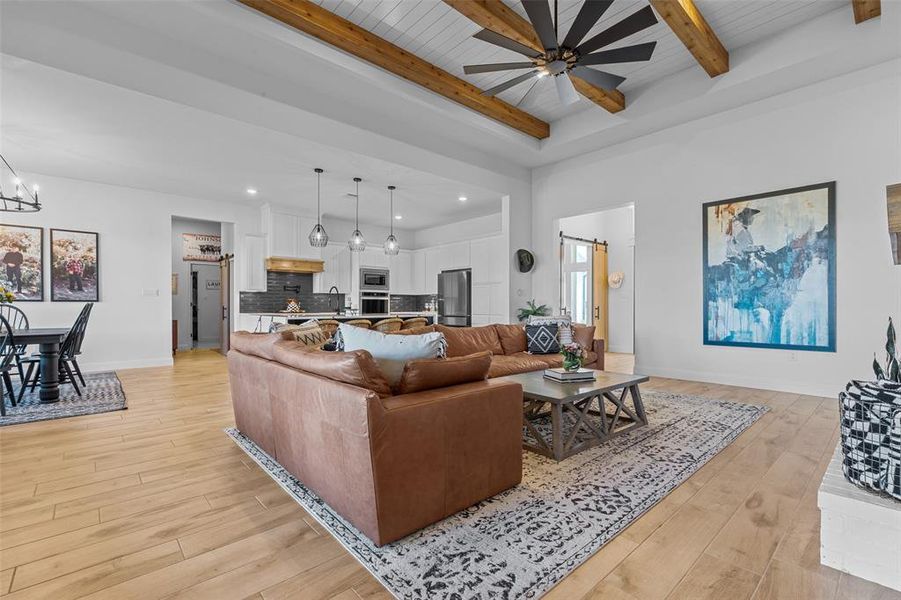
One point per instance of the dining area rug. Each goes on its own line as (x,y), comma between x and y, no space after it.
(103,393)
(523,541)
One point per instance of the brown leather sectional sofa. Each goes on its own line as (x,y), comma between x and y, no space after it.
(390,464)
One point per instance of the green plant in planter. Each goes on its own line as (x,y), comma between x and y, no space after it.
(891,371)
(532,309)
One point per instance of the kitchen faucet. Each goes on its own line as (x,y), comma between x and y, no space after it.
(337,308)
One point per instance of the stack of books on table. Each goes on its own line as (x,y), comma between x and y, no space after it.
(563,376)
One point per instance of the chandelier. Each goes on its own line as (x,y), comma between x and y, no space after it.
(22,199)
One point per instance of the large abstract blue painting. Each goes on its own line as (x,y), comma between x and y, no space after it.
(769,270)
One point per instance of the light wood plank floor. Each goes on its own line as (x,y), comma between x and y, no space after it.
(156,501)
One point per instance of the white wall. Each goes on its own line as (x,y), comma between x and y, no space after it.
(467,229)
(131,325)
(181,302)
(845,129)
(617,227)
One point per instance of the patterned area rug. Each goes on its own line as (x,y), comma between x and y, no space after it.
(523,541)
(102,394)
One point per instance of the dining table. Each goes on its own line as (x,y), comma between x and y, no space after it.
(48,341)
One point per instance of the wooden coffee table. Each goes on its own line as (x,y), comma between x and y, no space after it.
(566,418)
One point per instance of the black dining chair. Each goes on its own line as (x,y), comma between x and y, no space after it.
(17,319)
(7,358)
(69,351)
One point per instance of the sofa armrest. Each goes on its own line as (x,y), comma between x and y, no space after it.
(599,350)
(439,451)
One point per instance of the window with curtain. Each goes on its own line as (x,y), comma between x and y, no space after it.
(576,281)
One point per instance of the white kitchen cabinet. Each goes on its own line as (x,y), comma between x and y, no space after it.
(459,257)
(433,266)
(336,272)
(488,260)
(288,234)
(374,256)
(417,274)
(401,273)
(254,269)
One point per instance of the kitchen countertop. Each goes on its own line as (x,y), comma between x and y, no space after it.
(312,315)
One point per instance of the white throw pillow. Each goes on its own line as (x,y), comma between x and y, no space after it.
(391,352)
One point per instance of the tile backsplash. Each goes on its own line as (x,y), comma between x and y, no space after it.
(403,303)
(275,298)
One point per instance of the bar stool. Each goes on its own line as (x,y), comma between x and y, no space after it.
(329,327)
(389,325)
(415,322)
(364,323)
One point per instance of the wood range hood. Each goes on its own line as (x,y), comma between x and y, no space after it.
(294,265)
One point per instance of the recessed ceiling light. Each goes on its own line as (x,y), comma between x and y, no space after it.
(398,217)
(252,191)
(462,198)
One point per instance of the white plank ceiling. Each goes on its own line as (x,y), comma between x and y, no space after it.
(439,34)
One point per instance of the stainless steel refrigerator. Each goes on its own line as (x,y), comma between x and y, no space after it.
(455,298)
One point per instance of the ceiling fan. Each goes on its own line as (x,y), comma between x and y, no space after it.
(572,55)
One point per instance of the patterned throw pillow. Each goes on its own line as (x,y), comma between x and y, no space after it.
(542,339)
(308,334)
(563,323)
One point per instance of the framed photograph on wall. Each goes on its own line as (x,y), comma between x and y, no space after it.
(769,270)
(22,272)
(74,266)
(201,247)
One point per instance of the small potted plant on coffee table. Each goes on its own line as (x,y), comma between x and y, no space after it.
(572,356)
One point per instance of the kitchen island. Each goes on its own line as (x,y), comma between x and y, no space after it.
(262,321)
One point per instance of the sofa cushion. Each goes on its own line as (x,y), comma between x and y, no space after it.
(357,368)
(462,341)
(390,351)
(431,373)
(512,337)
(511,365)
(584,336)
(542,339)
(255,344)
(548,361)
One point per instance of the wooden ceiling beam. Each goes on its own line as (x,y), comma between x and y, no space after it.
(499,18)
(324,25)
(687,22)
(864,10)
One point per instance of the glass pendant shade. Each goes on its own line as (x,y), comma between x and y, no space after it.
(318,237)
(357,243)
(392,248)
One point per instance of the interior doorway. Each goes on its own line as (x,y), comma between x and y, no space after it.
(196,284)
(597,272)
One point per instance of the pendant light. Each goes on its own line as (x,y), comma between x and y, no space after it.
(357,243)
(391,245)
(318,237)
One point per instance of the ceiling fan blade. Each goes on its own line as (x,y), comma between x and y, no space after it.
(510,83)
(601,79)
(486,35)
(491,68)
(634,23)
(565,89)
(528,91)
(634,53)
(539,13)
(589,14)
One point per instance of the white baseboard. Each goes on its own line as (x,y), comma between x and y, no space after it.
(761,382)
(93,367)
